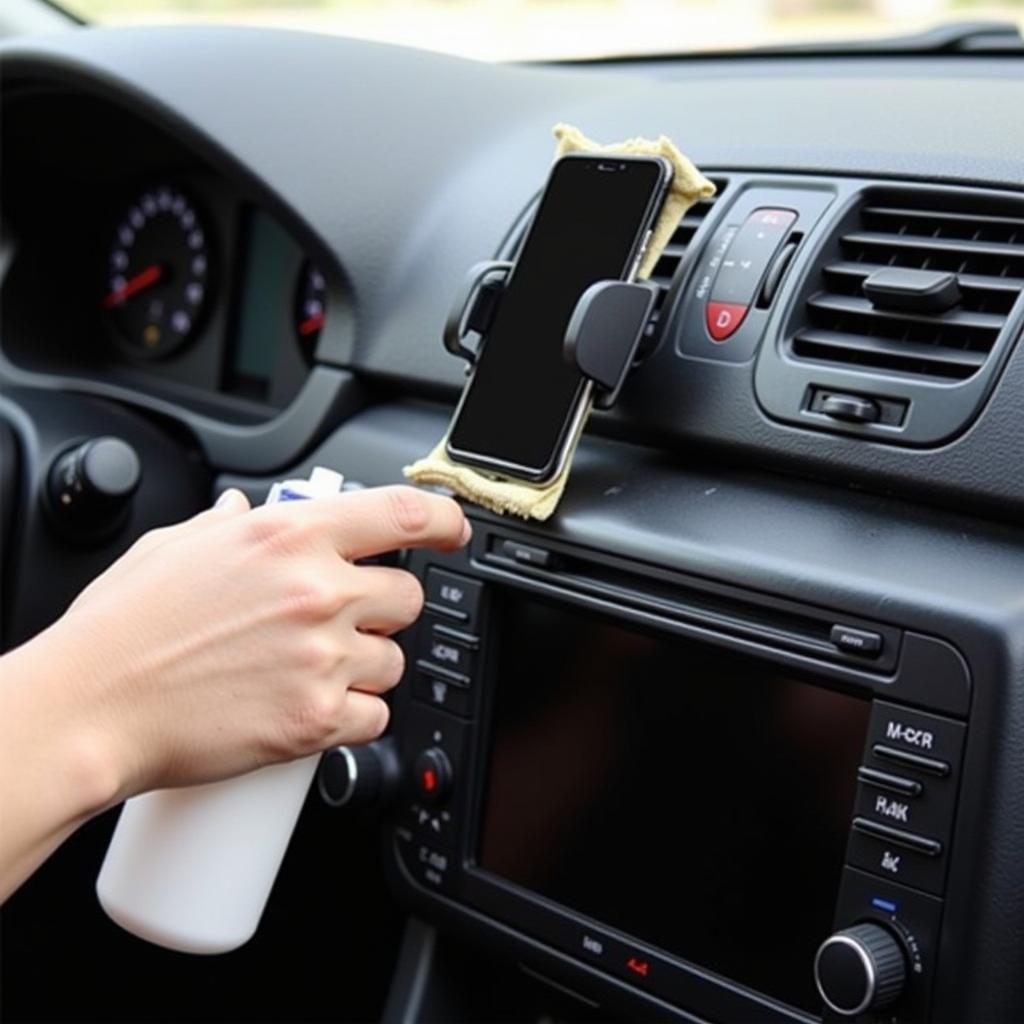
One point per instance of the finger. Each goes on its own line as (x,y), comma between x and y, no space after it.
(230,503)
(379,664)
(376,520)
(365,719)
(389,600)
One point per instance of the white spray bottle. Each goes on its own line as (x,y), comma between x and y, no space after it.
(191,869)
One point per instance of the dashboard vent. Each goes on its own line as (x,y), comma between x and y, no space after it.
(984,248)
(666,267)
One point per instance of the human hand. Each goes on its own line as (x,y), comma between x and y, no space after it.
(243,637)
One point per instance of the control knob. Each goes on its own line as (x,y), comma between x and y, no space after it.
(90,486)
(363,776)
(860,968)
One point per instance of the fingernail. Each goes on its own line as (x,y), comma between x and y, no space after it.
(467,533)
(226,496)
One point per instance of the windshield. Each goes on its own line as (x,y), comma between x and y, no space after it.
(568,29)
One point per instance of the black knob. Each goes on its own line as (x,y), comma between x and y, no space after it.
(860,968)
(360,776)
(432,775)
(89,487)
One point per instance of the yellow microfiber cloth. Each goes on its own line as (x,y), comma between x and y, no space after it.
(533,501)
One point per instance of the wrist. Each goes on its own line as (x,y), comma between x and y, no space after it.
(64,755)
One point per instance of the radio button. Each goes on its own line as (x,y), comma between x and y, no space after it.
(527,554)
(452,656)
(857,641)
(930,813)
(937,740)
(929,847)
(443,694)
(897,855)
(455,596)
(909,760)
(893,783)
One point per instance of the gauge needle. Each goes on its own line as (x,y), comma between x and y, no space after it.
(311,325)
(143,279)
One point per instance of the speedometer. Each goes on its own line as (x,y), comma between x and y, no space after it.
(157,283)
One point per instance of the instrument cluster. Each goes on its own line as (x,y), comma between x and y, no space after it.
(175,280)
(168,270)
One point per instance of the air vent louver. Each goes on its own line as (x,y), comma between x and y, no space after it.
(983,247)
(666,267)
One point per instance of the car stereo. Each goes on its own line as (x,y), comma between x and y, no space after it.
(736,804)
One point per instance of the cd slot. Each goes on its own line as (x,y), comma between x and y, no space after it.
(689,600)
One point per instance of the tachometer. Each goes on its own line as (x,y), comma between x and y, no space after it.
(158,273)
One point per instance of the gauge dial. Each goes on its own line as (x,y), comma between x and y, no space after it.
(157,285)
(310,308)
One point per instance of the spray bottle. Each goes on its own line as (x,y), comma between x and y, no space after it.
(191,869)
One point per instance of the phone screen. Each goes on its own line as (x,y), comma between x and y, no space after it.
(519,405)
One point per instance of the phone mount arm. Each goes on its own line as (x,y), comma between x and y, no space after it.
(605,331)
(601,341)
(473,310)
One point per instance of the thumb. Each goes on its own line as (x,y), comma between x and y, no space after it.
(231,502)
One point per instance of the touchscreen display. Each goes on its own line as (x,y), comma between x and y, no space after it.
(695,800)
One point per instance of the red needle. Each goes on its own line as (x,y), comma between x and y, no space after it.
(143,279)
(311,325)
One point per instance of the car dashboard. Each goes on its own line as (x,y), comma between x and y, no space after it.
(758,683)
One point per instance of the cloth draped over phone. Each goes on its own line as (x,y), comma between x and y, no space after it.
(539,501)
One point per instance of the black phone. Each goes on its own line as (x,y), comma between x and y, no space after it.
(524,406)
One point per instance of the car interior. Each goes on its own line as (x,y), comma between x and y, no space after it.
(738,733)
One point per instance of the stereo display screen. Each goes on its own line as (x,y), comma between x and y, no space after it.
(695,800)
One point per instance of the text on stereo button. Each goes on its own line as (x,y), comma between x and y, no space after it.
(891,808)
(921,738)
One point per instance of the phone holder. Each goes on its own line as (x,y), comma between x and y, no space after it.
(601,341)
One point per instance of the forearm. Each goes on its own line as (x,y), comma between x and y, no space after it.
(55,766)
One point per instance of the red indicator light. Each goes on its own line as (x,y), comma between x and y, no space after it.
(429,780)
(311,325)
(641,968)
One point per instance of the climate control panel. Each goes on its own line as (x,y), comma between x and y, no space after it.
(445,658)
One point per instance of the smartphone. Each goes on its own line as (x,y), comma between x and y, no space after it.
(524,406)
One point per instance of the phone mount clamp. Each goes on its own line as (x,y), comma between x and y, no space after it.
(604,333)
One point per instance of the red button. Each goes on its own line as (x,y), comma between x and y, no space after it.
(773,218)
(723,318)
(639,967)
